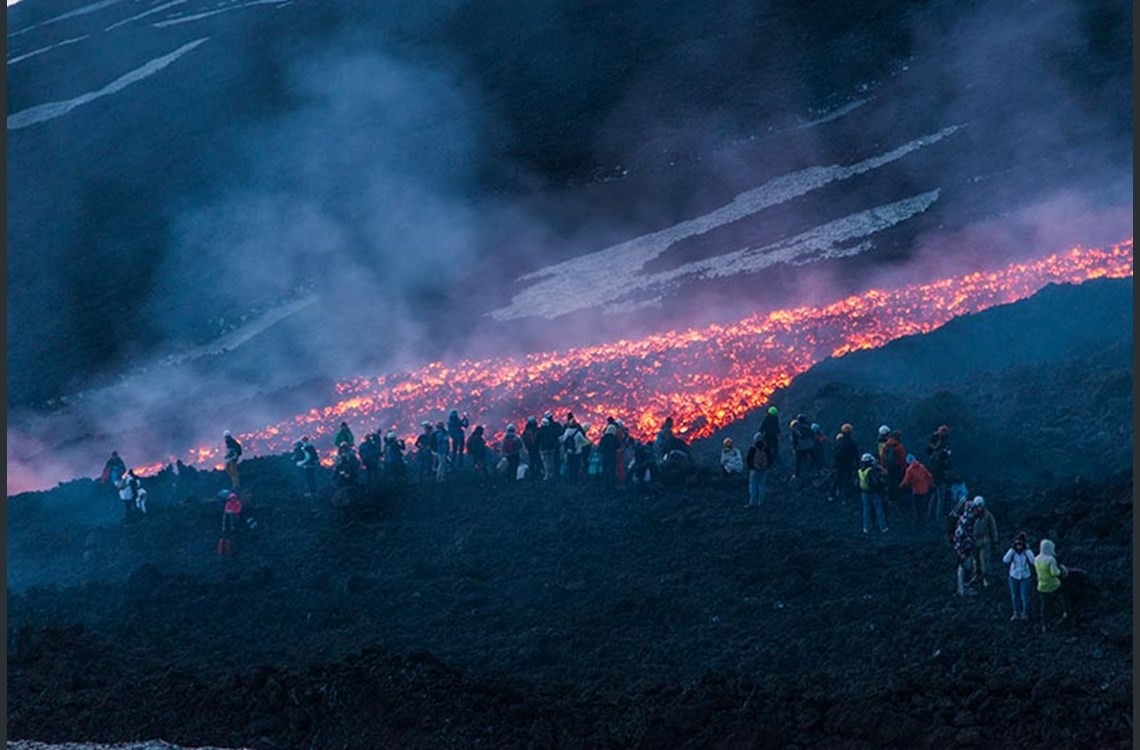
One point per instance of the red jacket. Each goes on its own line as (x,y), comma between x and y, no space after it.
(918,478)
(233,506)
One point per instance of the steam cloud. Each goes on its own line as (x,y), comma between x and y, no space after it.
(355,232)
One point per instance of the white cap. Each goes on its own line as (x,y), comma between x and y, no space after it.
(884,430)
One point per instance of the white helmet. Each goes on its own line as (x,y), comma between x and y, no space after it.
(979,502)
(884,431)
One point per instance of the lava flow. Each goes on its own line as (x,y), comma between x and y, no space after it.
(704,377)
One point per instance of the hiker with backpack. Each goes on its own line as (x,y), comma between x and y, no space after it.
(346,470)
(512,449)
(233,453)
(574,440)
(1021,564)
(770,429)
(846,463)
(758,461)
(872,480)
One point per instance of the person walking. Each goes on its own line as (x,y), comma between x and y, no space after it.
(1021,563)
(872,479)
(758,461)
(1049,588)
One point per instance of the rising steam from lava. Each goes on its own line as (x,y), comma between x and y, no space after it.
(704,377)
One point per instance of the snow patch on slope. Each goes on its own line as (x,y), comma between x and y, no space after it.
(51,110)
(603,277)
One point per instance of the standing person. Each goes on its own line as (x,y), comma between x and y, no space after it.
(512,447)
(455,432)
(129,487)
(113,470)
(572,449)
(344,435)
(846,462)
(919,480)
(425,451)
(758,461)
(394,449)
(770,429)
(803,444)
(233,453)
(441,446)
(309,462)
(549,435)
(731,462)
(530,442)
(892,458)
(985,537)
(664,440)
(1049,575)
(231,520)
(939,440)
(371,452)
(346,470)
(942,474)
(819,442)
(965,550)
(477,449)
(871,481)
(1020,561)
(624,449)
(608,448)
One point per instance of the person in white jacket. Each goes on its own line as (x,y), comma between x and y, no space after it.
(731,461)
(1020,560)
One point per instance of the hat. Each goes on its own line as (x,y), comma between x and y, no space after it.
(772,410)
(943,430)
(910,458)
(425,423)
(846,428)
(549,415)
(758,437)
(227,433)
(510,428)
(979,502)
(884,430)
(391,435)
(815,427)
(532,420)
(585,427)
(728,442)
(867,458)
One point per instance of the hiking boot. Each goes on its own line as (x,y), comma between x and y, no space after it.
(884,529)
(1015,616)
(865,531)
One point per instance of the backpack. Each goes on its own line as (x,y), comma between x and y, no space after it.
(890,459)
(759,459)
(869,479)
(570,442)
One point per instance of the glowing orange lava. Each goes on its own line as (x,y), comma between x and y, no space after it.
(704,377)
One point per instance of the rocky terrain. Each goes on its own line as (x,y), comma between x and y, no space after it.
(531,615)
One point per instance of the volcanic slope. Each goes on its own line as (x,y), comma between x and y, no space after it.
(542,616)
(1035,390)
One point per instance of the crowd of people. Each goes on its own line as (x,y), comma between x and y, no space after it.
(889,480)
